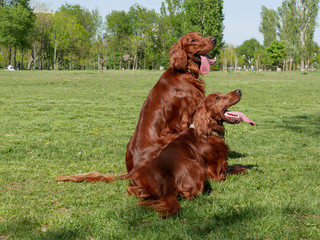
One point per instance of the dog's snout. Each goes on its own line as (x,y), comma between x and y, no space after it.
(238,92)
(213,40)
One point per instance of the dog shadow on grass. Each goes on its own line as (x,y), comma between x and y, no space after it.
(235,167)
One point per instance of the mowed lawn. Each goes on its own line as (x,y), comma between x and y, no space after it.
(61,123)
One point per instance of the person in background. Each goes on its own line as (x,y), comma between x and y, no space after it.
(10,68)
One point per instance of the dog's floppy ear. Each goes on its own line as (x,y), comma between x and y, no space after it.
(205,124)
(178,57)
(202,121)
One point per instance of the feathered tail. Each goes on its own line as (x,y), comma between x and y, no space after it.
(92,177)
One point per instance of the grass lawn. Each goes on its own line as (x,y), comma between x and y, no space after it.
(61,123)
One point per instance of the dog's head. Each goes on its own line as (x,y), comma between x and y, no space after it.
(191,53)
(213,111)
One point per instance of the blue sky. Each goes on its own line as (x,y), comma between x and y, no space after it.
(242,18)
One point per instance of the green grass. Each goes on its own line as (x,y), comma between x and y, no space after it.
(56,123)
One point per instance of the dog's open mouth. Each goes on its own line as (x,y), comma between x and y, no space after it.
(205,62)
(234,117)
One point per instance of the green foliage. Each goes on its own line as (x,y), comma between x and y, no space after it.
(294,23)
(248,50)
(298,25)
(205,17)
(118,24)
(67,122)
(139,38)
(16,21)
(10,3)
(276,52)
(91,21)
(132,34)
(268,25)
(172,12)
(68,36)
(40,38)
(318,58)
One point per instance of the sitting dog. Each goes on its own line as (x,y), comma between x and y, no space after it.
(182,168)
(196,155)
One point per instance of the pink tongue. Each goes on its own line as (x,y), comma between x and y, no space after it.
(205,65)
(242,116)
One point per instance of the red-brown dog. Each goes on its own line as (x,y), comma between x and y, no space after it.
(184,165)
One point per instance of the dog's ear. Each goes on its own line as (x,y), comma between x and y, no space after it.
(202,121)
(205,124)
(178,57)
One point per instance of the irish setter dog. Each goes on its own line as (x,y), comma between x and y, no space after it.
(170,104)
(181,169)
(185,164)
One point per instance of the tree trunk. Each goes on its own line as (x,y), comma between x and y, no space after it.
(144,60)
(224,61)
(15,57)
(9,55)
(55,57)
(302,64)
(134,63)
(34,56)
(22,58)
(30,60)
(137,62)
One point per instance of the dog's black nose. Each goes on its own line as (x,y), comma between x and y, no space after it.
(238,92)
(213,40)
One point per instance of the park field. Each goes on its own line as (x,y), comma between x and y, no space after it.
(56,123)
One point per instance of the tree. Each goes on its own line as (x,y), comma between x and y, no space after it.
(298,24)
(268,25)
(277,53)
(91,21)
(40,38)
(10,3)
(205,17)
(144,21)
(317,58)
(16,22)
(67,36)
(248,50)
(169,29)
(132,34)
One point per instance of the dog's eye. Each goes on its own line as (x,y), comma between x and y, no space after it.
(218,98)
(192,41)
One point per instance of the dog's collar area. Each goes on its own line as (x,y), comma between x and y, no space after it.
(196,76)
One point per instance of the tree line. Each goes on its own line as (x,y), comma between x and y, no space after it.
(288,40)
(75,38)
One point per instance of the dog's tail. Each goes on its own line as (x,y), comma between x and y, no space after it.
(92,177)
(167,205)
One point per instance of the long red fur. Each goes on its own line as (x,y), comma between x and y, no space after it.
(168,108)
(158,163)
(185,164)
